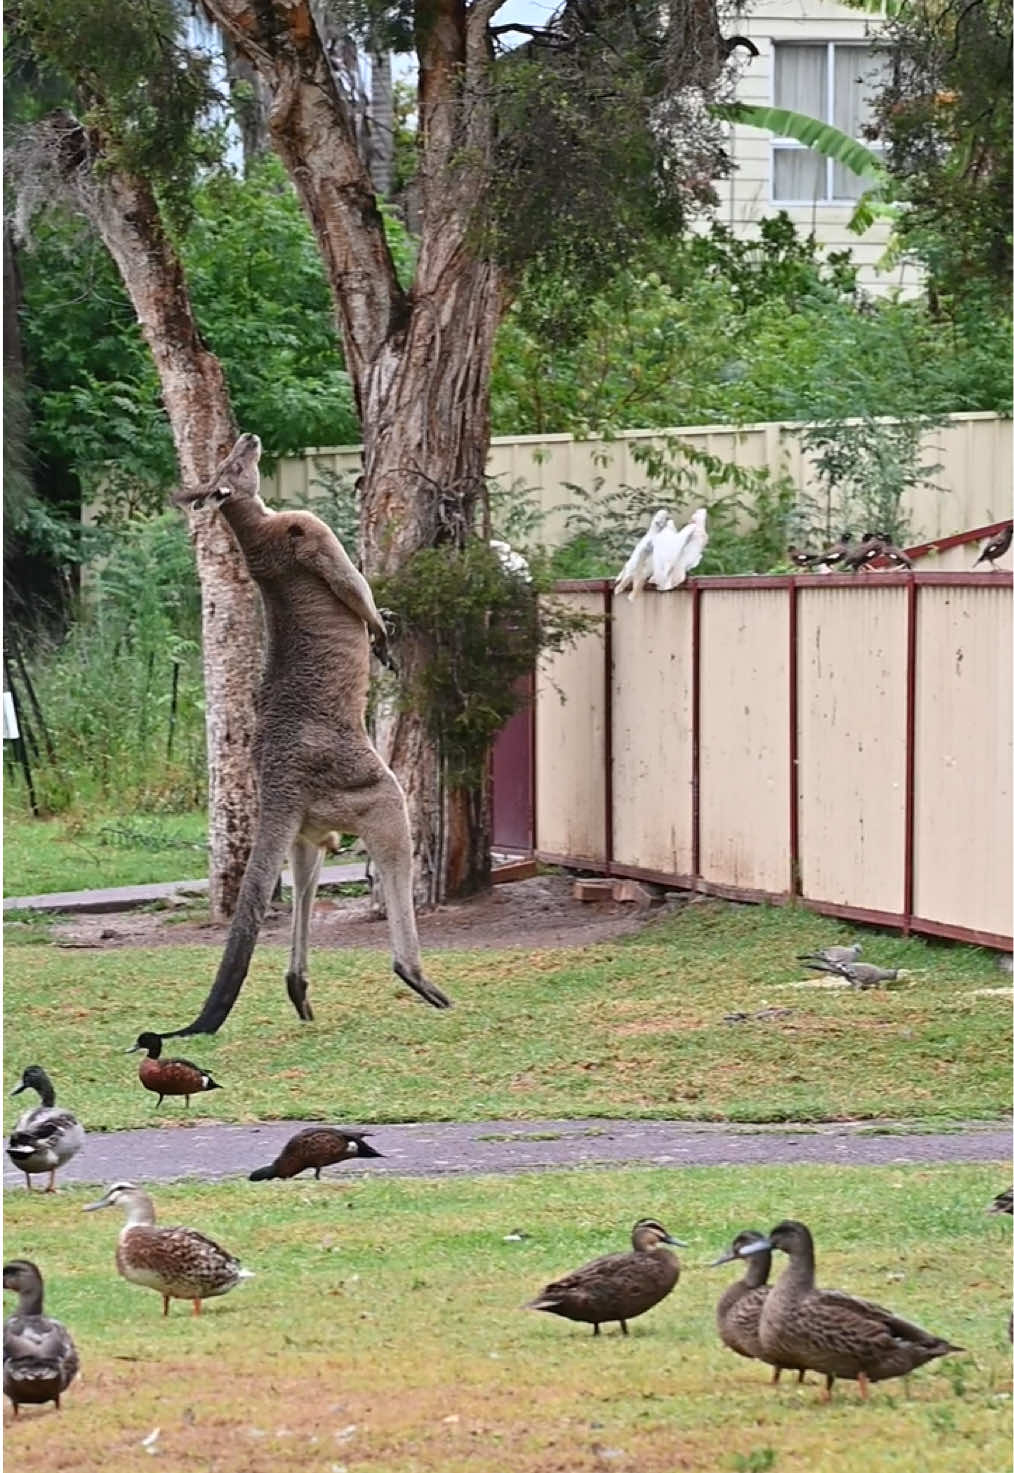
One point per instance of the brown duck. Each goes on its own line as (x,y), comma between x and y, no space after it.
(738,1312)
(169,1076)
(619,1286)
(319,1146)
(177,1262)
(40,1361)
(830,1332)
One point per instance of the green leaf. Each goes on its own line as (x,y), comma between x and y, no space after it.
(824,139)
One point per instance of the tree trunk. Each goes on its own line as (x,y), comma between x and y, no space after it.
(381,123)
(419,362)
(125,213)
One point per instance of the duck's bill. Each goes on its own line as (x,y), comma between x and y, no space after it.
(763,1245)
(18,1090)
(729,1257)
(676,1242)
(133,1048)
(94,1206)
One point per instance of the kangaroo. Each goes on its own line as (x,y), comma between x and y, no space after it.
(317,769)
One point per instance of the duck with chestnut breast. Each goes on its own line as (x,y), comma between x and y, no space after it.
(177,1262)
(738,1312)
(40,1361)
(314,1148)
(830,1332)
(169,1076)
(619,1286)
(45,1138)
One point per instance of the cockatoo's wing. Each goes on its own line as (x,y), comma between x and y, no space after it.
(665,556)
(511,561)
(637,569)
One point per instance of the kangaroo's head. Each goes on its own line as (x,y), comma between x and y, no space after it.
(237,476)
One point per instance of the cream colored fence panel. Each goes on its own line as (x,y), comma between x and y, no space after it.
(652,736)
(962,840)
(744,738)
(974,451)
(851,744)
(570,815)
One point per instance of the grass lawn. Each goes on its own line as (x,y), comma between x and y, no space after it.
(46,856)
(383,1329)
(627,1028)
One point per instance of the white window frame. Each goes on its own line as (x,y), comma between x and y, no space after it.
(784,144)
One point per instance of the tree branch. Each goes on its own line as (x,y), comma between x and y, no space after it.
(313,134)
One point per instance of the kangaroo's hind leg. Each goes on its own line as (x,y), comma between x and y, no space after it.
(381,821)
(306,860)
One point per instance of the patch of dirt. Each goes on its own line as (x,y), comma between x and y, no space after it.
(528,914)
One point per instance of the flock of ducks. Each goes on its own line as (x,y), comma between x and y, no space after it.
(792,1325)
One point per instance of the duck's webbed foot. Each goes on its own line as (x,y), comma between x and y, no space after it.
(297,987)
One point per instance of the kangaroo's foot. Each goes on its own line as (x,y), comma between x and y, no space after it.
(297,987)
(419,984)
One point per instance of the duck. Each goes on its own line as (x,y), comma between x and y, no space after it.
(738,1312)
(169,1076)
(618,1286)
(40,1360)
(177,1262)
(316,1147)
(44,1138)
(836,1334)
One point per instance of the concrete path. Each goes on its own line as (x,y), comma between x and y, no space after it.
(212,1151)
(130,897)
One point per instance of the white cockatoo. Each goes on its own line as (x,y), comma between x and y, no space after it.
(511,561)
(676,554)
(638,567)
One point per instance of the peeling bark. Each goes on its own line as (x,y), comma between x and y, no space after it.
(125,213)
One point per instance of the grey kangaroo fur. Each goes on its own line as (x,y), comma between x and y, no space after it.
(317,769)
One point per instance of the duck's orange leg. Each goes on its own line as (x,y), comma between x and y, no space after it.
(197,1306)
(864,1386)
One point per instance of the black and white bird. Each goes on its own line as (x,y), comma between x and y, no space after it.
(995,548)
(873,547)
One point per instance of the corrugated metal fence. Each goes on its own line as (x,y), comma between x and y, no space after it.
(971,489)
(843,741)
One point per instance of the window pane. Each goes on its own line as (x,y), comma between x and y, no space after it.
(800,174)
(859,74)
(801,79)
(848,185)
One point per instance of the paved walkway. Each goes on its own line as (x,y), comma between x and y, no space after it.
(212,1151)
(130,897)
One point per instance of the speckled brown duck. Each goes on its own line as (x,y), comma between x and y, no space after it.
(738,1312)
(169,1076)
(619,1286)
(830,1332)
(313,1149)
(177,1262)
(40,1360)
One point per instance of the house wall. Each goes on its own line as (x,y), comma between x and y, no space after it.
(843,742)
(746,196)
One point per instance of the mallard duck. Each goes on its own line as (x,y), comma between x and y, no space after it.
(619,1286)
(178,1262)
(169,1076)
(320,1145)
(830,1332)
(738,1312)
(40,1361)
(44,1138)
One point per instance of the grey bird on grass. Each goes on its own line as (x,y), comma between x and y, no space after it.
(860,975)
(836,954)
